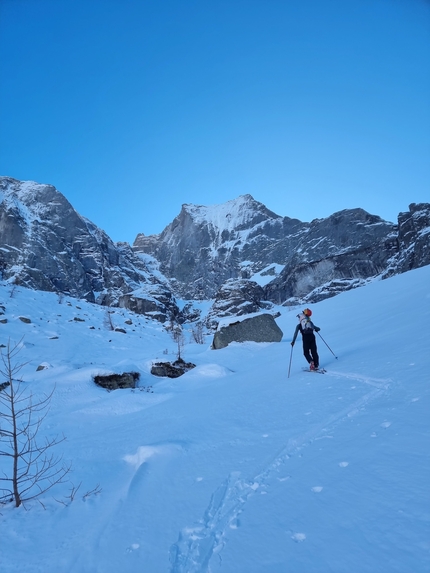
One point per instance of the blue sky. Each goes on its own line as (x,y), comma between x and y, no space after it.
(132,108)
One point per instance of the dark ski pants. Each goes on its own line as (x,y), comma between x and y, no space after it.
(310,349)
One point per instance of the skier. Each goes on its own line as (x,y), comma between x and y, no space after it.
(307,327)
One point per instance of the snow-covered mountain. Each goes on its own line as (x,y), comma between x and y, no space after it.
(205,246)
(46,245)
(234,467)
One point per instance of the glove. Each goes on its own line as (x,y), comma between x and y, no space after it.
(317,329)
(292,344)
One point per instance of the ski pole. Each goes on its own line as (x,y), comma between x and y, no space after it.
(291,357)
(327,345)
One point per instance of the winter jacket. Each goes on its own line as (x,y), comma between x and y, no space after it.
(309,332)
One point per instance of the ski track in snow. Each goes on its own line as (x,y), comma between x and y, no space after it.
(197,544)
(382,383)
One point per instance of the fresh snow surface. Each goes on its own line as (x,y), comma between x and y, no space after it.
(234,467)
(226,216)
(268,274)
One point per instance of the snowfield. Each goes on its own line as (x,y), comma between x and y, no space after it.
(232,468)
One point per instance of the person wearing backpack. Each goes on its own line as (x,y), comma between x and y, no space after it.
(307,327)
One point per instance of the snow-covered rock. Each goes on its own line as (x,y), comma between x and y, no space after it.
(236,298)
(413,240)
(258,328)
(207,252)
(205,246)
(46,245)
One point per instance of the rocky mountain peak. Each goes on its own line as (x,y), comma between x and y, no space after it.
(205,246)
(235,215)
(45,244)
(239,252)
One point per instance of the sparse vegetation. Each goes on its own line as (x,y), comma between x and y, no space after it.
(108,322)
(68,499)
(30,468)
(197,333)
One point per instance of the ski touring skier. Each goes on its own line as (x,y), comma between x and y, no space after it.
(306,327)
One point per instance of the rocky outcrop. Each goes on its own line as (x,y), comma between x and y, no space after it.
(171,369)
(413,240)
(117,381)
(317,280)
(240,253)
(155,302)
(236,298)
(47,245)
(260,328)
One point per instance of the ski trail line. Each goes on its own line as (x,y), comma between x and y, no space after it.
(197,544)
(382,383)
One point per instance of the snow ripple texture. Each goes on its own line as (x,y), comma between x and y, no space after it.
(196,545)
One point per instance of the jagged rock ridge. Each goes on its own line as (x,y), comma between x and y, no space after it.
(240,253)
(45,244)
(205,246)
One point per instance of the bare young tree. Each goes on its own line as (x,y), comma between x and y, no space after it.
(175,329)
(29,468)
(179,338)
(197,333)
(13,287)
(108,322)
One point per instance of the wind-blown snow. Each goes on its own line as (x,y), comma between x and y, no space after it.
(226,216)
(233,467)
(268,274)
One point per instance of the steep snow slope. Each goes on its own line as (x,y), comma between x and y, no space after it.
(234,467)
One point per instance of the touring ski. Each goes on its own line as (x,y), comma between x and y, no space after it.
(317,370)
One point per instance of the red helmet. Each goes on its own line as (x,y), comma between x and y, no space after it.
(307,312)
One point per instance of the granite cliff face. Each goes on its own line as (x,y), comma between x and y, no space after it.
(239,253)
(413,240)
(45,244)
(205,246)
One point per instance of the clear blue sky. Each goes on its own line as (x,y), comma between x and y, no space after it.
(133,107)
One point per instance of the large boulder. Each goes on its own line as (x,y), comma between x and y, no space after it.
(236,297)
(259,328)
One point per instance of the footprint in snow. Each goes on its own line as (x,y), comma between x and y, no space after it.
(343,464)
(385,424)
(317,489)
(298,537)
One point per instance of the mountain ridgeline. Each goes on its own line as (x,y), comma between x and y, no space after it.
(239,250)
(206,246)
